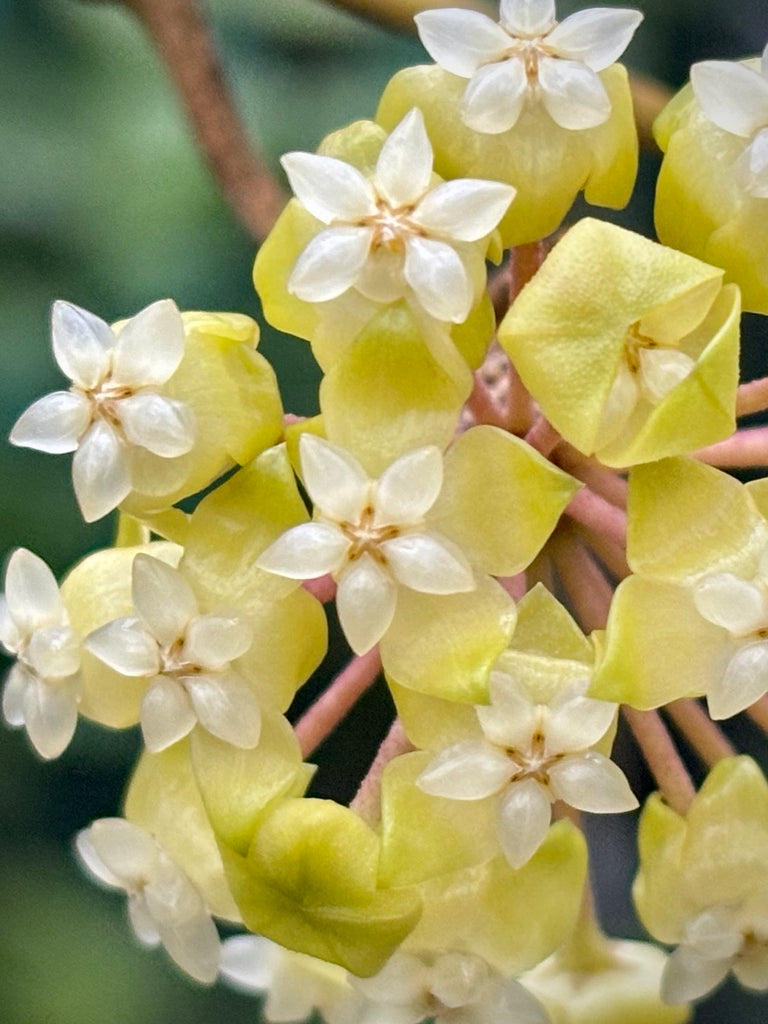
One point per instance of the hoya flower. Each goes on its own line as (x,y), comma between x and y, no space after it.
(185,655)
(528,58)
(735,98)
(446,988)
(392,234)
(532,754)
(163,905)
(114,404)
(371,535)
(43,688)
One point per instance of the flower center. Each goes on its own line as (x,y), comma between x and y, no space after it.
(391,226)
(366,537)
(534,762)
(634,342)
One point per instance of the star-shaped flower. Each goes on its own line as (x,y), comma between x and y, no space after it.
(532,754)
(528,57)
(370,535)
(186,656)
(114,403)
(735,98)
(393,234)
(163,905)
(44,686)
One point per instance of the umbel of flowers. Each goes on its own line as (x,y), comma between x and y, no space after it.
(469,499)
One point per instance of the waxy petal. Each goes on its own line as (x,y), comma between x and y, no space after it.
(50,715)
(306,552)
(10,635)
(161,425)
(54,652)
(751,968)
(82,344)
(596,37)
(731,95)
(329,189)
(527,17)
(573,94)
(752,166)
(163,599)
(226,707)
(144,925)
(510,719)
(688,975)
(167,714)
(591,782)
(494,98)
(194,945)
(100,472)
(662,369)
(365,601)
(331,263)
(409,487)
(461,41)
(381,276)
(745,680)
(468,770)
(525,813)
(735,604)
(54,423)
(465,209)
(438,278)
(114,849)
(19,678)
(428,563)
(335,481)
(31,593)
(150,346)
(212,641)
(404,167)
(577,723)
(715,934)
(126,646)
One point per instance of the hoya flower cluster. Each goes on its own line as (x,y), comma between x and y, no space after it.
(522,527)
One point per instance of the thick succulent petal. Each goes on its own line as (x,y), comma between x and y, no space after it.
(465,209)
(365,600)
(737,605)
(54,423)
(752,166)
(527,17)
(19,678)
(127,646)
(731,95)
(334,479)
(161,425)
(226,706)
(163,598)
(404,167)
(144,925)
(745,680)
(409,487)
(306,552)
(595,37)
(331,189)
(212,641)
(573,94)
(381,278)
(494,98)
(91,860)
(525,813)
(461,41)
(54,652)
(591,782)
(510,718)
(662,369)
(331,263)
(438,278)
(124,851)
(50,715)
(150,346)
(31,593)
(428,563)
(82,343)
(100,472)
(167,714)
(194,945)
(688,975)
(577,723)
(466,771)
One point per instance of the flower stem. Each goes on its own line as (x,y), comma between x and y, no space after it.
(704,736)
(589,592)
(602,481)
(367,800)
(591,510)
(610,554)
(542,436)
(752,397)
(483,405)
(758,712)
(662,757)
(398,14)
(329,710)
(323,588)
(748,447)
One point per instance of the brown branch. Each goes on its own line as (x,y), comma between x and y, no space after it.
(704,736)
(662,757)
(181,35)
(398,14)
(321,719)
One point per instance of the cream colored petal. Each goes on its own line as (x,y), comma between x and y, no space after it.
(438,278)
(163,599)
(619,406)
(494,98)
(100,472)
(527,17)
(92,862)
(54,652)
(428,563)
(381,277)
(212,641)
(591,782)
(249,962)
(54,423)
(460,41)
(715,934)
(751,968)
(50,715)
(126,851)
(126,646)
(745,680)
(329,189)
(735,604)
(365,600)
(334,479)
(409,487)
(525,813)
(596,37)
(10,635)
(331,263)
(82,343)
(19,678)
(510,719)
(306,552)
(731,95)
(194,945)
(161,425)
(150,346)
(459,979)
(143,924)
(465,209)
(404,167)
(468,770)
(573,94)
(31,592)
(167,714)
(662,369)
(226,707)
(752,166)
(688,975)
(578,723)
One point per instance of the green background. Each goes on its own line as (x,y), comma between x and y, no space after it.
(105,202)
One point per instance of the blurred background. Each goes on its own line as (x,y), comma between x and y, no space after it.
(105,202)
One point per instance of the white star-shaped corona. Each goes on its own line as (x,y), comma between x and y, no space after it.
(163,905)
(735,98)
(528,57)
(186,656)
(370,535)
(114,402)
(532,754)
(393,234)
(43,688)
